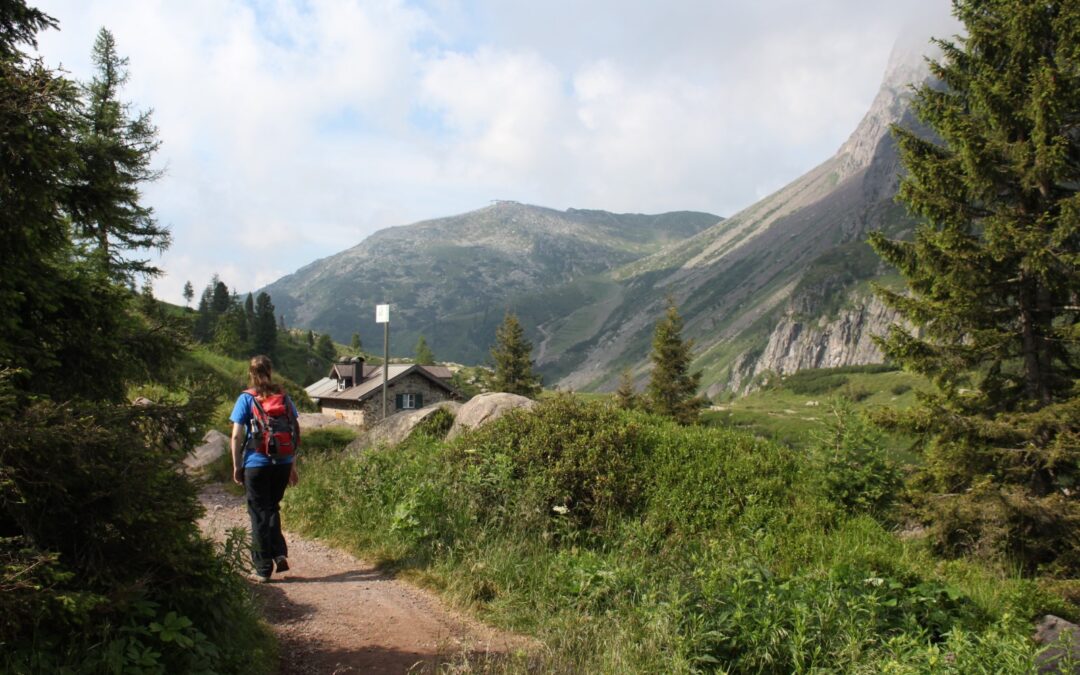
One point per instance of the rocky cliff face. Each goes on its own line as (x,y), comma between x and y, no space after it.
(798,344)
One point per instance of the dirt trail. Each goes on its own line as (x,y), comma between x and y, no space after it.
(333,613)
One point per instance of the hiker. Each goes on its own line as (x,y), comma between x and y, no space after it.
(265,436)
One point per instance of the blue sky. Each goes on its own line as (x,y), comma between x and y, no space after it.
(293,129)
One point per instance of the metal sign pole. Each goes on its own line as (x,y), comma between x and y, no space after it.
(385,364)
(382,315)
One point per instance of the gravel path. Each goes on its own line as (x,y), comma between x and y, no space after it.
(333,613)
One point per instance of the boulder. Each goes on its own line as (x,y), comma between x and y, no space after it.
(1063,645)
(396,428)
(215,444)
(309,421)
(484,408)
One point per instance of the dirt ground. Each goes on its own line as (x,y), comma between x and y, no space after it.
(336,614)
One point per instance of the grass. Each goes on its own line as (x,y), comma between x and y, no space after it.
(793,410)
(628,544)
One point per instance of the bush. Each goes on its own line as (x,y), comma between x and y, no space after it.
(853,469)
(572,458)
(101,564)
(900,389)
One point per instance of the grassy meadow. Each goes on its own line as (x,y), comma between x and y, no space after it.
(627,544)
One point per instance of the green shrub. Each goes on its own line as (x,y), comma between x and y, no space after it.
(627,543)
(325,439)
(852,466)
(900,389)
(437,424)
(814,382)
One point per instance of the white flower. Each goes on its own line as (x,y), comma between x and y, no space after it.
(561,510)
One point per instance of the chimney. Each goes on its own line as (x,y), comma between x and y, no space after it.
(358,369)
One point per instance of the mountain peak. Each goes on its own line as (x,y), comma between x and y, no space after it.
(906,67)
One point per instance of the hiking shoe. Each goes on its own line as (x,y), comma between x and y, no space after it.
(260,578)
(281,564)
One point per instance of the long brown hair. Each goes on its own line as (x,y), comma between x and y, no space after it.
(260,373)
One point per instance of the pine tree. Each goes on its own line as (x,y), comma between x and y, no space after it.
(324,347)
(356,345)
(249,313)
(189,293)
(513,367)
(992,281)
(310,339)
(424,355)
(115,149)
(672,387)
(264,337)
(220,298)
(626,396)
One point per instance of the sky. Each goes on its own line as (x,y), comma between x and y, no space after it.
(292,129)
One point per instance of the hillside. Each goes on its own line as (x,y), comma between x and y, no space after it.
(795,256)
(452,278)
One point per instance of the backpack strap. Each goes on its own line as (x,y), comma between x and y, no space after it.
(295,422)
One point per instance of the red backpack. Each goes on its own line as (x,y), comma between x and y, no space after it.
(275,431)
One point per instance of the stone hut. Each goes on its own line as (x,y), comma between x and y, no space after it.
(353,390)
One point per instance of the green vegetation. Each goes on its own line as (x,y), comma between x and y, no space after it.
(992,284)
(672,389)
(513,364)
(628,543)
(424,355)
(102,567)
(793,409)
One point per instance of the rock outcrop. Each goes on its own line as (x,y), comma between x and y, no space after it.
(396,428)
(797,344)
(1062,639)
(484,408)
(215,444)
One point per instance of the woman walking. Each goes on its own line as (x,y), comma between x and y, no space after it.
(265,436)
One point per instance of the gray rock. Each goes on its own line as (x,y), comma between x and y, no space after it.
(215,444)
(484,408)
(309,421)
(1062,638)
(397,427)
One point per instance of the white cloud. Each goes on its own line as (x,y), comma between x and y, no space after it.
(293,129)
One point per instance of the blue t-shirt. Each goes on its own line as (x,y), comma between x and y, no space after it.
(241,414)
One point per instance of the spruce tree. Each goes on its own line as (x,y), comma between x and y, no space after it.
(672,387)
(189,293)
(355,344)
(626,396)
(310,339)
(324,347)
(115,147)
(264,337)
(424,355)
(993,283)
(513,367)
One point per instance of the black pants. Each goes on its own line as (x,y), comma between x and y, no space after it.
(265,487)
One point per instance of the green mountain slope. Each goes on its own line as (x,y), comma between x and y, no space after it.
(451,279)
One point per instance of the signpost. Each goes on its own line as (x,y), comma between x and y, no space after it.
(382,315)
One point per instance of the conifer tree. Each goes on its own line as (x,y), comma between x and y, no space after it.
(424,355)
(115,148)
(189,293)
(355,344)
(310,339)
(513,367)
(626,396)
(249,312)
(672,387)
(324,347)
(993,282)
(264,337)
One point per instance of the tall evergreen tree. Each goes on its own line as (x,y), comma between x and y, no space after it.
(220,299)
(264,337)
(310,338)
(324,347)
(424,355)
(356,345)
(672,388)
(115,148)
(993,281)
(249,313)
(511,354)
(189,293)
